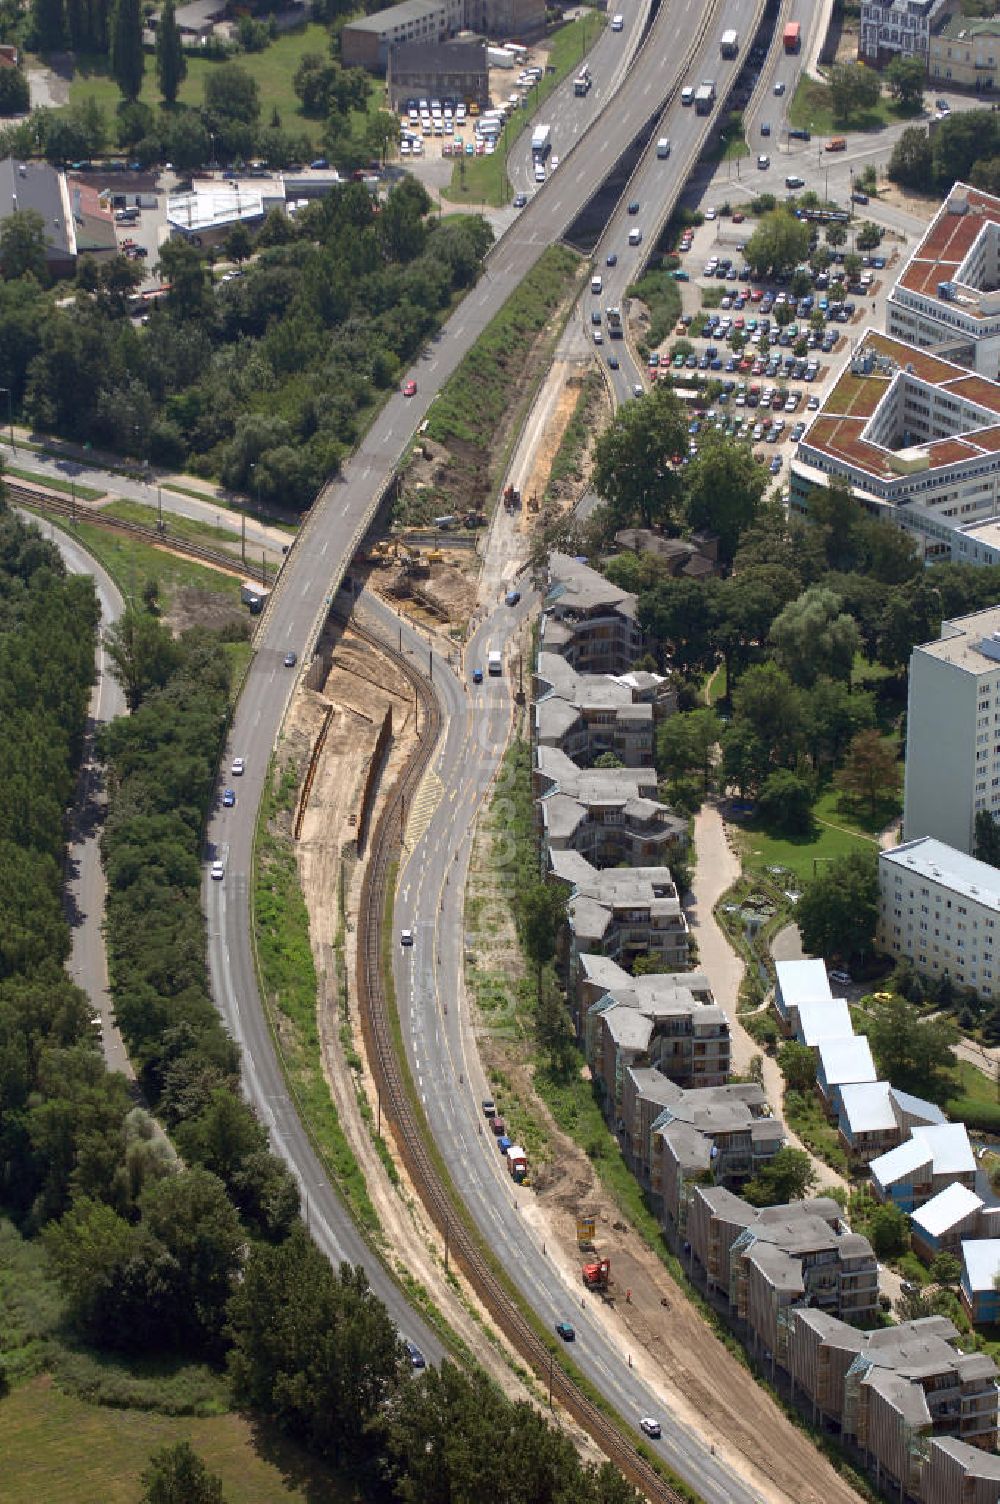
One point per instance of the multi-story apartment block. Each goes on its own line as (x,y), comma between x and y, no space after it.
(623,913)
(668,1023)
(928,1161)
(965,54)
(914,436)
(719,1136)
(587,715)
(948,1219)
(916,1405)
(980,1275)
(607,815)
(366,41)
(799,982)
(938,907)
(899,28)
(592,623)
(771,1260)
(946,298)
(843,1062)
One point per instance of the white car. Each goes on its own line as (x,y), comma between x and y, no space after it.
(406,937)
(709,213)
(553,164)
(218,872)
(239,767)
(779,87)
(650,1426)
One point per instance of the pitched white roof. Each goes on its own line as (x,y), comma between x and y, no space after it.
(887,1169)
(981,1257)
(866,1107)
(945,1209)
(827,1018)
(846,1060)
(802,982)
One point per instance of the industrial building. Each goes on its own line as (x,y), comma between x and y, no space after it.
(366,41)
(448,70)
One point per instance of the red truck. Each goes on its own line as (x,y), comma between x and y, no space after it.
(793,36)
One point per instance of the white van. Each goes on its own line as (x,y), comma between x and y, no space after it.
(663,146)
(539,172)
(687,94)
(634,236)
(597,283)
(617,23)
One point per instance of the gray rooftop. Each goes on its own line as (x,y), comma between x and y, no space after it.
(37,186)
(573,585)
(931,859)
(397,15)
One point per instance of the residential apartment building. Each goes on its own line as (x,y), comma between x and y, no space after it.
(844,1061)
(945,298)
(955,1215)
(593,624)
(668,1023)
(446,70)
(923,1412)
(939,908)
(720,1136)
(931,1159)
(365,41)
(607,815)
(587,715)
(899,28)
(769,1260)
(623,913)
(798,982)
(980,1273)
(914,436)
(965,54)
(873,1117)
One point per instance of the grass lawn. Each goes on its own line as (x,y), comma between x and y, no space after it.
(131,562)
(54,483)
(976,1100)
(833,835)
(64,1451)
(662,296)
(730,142)
(810,109)
(274,69)
(179,527)
(483,180)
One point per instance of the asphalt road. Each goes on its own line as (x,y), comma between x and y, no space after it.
(441,1050)
(84,888)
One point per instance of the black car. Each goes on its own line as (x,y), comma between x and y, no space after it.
(612,259)
(520,199)
(565,1331)
(612,362)
(417,1359)
(800,135)
(633,207)
(291,659)
(859,198)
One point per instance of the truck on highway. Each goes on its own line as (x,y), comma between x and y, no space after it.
(541,141)
(494,663)
(581,84)
(614,322)
(729,44)
(793,36)
(704,98)
(517,1162)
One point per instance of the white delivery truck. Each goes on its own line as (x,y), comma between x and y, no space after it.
(663,146)
(541,140)
(494,663)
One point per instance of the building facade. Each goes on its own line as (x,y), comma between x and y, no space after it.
(940,910)
(899,28)
(952,746)
(965,54)
(448,70)
(366,41)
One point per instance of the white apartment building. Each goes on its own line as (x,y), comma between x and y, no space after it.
(940,909)
(947,297)
(953,731)
(899,28)
(914,436)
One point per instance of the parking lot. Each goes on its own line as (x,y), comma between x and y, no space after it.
(765,349)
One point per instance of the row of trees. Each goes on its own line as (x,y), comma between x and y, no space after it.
(265,382)
(964,147)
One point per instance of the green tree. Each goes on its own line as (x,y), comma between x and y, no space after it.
(986,839)
(15,94)
(797,1064)
(314,1349)
(779,242)
(633,460)
(766,699)
(853,89)
(836,235)
(871,776)
(868,236)
(128,60)
(965,137)
(906,77)
(48,22)
(177,1475)
(832,715)
(232,94)
(22,246)
(183,268)
(190,1215)
(239,244)
(171,62)
(784,804)
(914,1053)
(787,1177)
(838,911)
(814,636)
(684,744)
(142,652)
(888,1231)
(724,485)
(945,1269)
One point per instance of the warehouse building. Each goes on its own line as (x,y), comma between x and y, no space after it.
(447,70)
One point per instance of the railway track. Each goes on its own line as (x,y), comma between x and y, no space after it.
(436,1193)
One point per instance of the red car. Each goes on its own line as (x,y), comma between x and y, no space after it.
(409,388)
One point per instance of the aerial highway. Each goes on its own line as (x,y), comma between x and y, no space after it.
(311,574)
